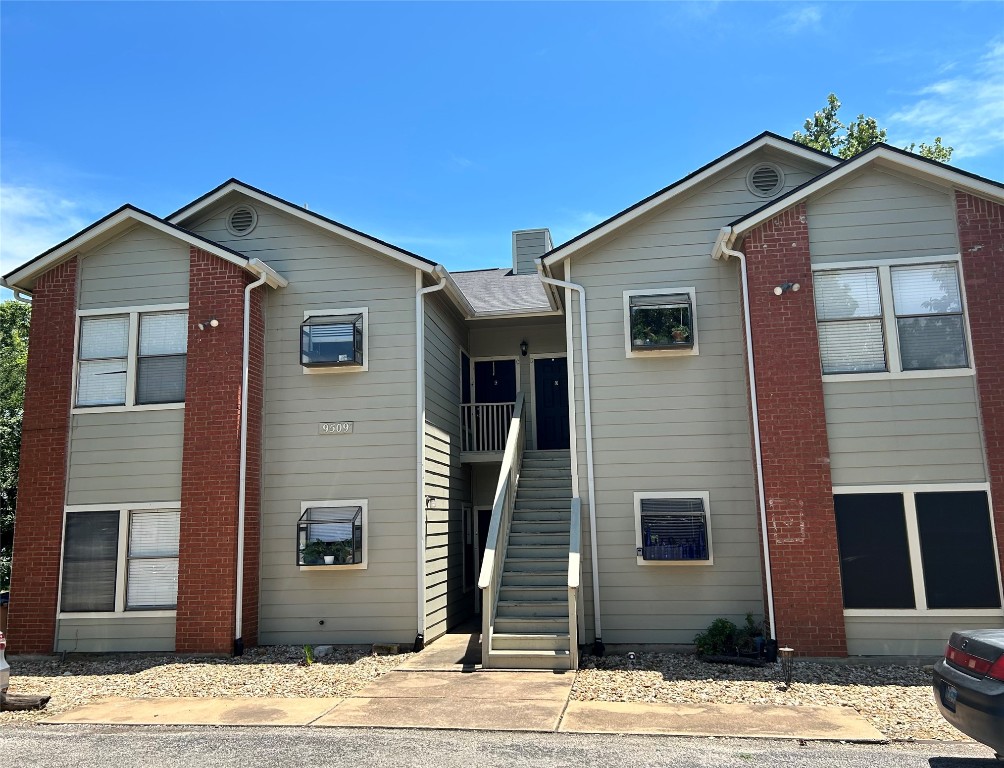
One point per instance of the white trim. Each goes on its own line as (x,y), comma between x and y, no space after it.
(628,352)
(908,491)
(504,313)
(81,409)
(355,237)
(121,560)
(884,156)
(934,373)
(364,504)
(365,312)
(896,261)
(139,309)
(948,613)
(681,189)
(704,496)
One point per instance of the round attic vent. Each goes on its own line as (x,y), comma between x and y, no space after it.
(241,220)
(765,179)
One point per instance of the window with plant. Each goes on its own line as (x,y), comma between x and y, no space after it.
(661,321)
(331,534)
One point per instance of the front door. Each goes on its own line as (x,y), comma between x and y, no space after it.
(550,376)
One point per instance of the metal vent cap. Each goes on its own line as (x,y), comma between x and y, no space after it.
(241,220)
(765,179)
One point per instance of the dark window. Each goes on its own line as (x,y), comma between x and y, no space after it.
(674,529)
(331,341)
(956,546)
(661,322)
(494,381)
(465,378)
(874,551)
(90,558)
(929,317)
(163,344)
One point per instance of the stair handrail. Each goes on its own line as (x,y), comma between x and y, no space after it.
(574,580)
(498,531)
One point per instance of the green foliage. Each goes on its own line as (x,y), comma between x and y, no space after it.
(308,655)
(825,131)
(315,550)
(14,324)
(717,640)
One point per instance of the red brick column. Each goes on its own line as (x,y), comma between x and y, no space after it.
(211,461)
(981,239)
(805,564)
(41,492)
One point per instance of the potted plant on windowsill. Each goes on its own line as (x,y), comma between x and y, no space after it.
(680,333)
(314,552)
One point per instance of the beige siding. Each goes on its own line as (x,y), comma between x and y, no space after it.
(904,431)
(376,462)
(671,423)
(907,635)
(125,458)
(501,338)
(115,634)
(140,267)
(878,214)
(447,482)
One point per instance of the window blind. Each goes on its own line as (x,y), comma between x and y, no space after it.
(674,529)
(152,577)
(104,337)
(929,317)
(90,557)
(101,382)
(849,319)
(163,333)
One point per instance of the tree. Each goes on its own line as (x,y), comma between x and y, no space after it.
(14,321)
(823,132)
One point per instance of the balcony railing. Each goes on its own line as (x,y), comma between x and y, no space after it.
(485,426)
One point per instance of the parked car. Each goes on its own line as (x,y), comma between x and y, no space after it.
(969,685)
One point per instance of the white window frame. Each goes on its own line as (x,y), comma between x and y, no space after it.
(890,330)
(628,352)
(364,504)
(913,541)
(364,311)
(121,563)
(705,496)
(132,359)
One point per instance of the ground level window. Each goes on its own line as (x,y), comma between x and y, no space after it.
(673,527)
(916,549)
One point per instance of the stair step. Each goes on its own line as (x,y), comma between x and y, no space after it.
(541,593)
(536,564)
(522,525)
(524,609)
(564,505)
(556,578)
(525,625)
(542,515)
(537,551)
(539,538)
(553,659)
(562,482)
(530,642)
(563,495)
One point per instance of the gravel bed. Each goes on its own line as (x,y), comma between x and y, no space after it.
(273,671)
(897,700)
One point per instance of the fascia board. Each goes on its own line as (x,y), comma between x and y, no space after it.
(681,187)
(359,238)
(880,155)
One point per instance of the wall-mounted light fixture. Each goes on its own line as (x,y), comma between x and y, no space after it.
(785,287)
(523,348)
(430,502)
(210,323)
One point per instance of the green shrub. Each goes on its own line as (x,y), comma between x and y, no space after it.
(718,640)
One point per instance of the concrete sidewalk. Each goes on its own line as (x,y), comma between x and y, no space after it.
(444,688)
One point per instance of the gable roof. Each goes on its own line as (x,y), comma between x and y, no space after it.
(494,292)
(880,154)
(628,215)
(117,221)
(231,186)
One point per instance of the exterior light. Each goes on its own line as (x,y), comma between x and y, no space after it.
(523,348)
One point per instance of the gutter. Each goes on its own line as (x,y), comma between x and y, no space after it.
(590,479)
(265,275)
(444,279)
(722,251)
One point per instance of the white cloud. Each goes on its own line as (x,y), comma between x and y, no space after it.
(33,220)
(967,111)
(808,18)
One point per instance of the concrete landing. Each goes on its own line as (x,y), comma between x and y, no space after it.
(737,720)
(449,653)
(198,711)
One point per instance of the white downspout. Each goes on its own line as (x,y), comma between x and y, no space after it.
(590,480)
(241,491)
(440,274)
(720,247)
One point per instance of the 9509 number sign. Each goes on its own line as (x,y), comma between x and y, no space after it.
(335,427)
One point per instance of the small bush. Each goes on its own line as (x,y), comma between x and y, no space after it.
(718,640)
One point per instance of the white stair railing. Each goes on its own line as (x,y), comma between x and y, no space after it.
(574,579)
(485,426)
(498,532)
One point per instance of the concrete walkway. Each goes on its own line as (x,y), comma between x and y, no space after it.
(443,687)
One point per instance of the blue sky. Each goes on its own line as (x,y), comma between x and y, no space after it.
(442,127)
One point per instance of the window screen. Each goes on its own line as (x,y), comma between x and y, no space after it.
(956,546)
(90,557)
(661,321)
(331,341)
(163,342)
(101,371)
(929,317)
(874,551)
(152,578)
(674,529)
(849,321)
